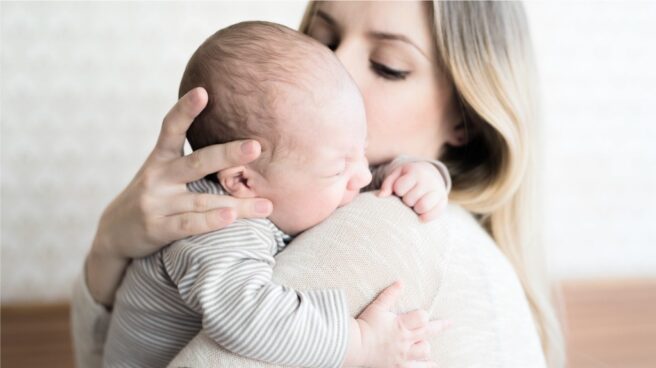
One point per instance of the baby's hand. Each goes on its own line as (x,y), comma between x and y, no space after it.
(421,187)
(385,339)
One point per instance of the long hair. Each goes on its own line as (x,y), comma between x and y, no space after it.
(486,51)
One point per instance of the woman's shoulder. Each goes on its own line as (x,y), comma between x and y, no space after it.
(390,215)
(375,236)
(463,248)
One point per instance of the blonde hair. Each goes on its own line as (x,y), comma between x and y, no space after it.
(485,49)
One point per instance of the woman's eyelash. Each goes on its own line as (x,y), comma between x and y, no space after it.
(332,45)
(387,72)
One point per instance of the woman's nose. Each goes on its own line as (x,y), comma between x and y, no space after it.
(348,53)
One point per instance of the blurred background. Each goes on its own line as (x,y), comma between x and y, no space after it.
(85,86)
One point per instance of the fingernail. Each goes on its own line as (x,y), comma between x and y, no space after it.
(194,95)
(263,207)
(248,147)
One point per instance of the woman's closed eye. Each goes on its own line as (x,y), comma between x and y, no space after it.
(388,73)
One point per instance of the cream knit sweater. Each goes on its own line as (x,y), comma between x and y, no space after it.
(450,267)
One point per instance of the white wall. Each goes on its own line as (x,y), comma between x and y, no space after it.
(598,71)
(85,86)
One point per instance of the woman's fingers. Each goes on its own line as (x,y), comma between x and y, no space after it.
(419,351)
(211,159)
(204,202)
(415,319)
(177,121)
(199,213)
(193,223)
(387,297)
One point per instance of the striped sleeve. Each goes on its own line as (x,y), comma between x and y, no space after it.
(89,324)
(226,277)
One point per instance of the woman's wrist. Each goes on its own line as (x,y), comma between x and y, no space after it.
(103,270)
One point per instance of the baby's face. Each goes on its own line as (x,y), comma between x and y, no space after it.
(324,168)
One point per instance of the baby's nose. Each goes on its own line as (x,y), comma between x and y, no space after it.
(360,179)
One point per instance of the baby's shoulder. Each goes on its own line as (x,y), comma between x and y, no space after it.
(242,233)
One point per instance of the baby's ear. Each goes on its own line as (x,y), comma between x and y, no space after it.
(235,181)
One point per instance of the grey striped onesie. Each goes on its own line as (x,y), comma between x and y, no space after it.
(221,282)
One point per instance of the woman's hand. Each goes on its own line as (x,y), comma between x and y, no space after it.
(156,208)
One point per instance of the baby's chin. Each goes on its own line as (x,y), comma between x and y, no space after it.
(297,228)
(349,196)
(303,220)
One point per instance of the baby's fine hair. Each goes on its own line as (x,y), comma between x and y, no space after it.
(248,70)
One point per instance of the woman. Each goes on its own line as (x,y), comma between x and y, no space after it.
(451,80)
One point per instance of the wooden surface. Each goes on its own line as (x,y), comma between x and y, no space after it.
(36,336)
(611,324)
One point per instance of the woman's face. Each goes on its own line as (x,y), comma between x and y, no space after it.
(388,49)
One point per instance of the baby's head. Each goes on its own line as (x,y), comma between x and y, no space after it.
(272,84)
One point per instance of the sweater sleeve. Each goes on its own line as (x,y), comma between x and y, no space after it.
(89,325)
(226,278)
(380,172)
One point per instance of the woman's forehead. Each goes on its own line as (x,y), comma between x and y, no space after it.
(403,18)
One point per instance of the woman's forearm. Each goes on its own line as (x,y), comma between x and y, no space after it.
(103,272)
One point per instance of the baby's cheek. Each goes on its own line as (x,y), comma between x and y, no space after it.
(308,211)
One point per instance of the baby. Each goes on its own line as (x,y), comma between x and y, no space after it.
(269,83)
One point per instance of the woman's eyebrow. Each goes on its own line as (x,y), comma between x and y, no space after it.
(373,34)
(396,37)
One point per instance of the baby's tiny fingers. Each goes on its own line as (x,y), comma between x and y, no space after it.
(415,319)
(429,330)
(416,193)
(419,364)
(386,186)
(419,351)
(435,327)
(435,212)
(404,184)
(427,202)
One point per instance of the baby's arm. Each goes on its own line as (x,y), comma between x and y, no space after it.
(226,277)
(422,185)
